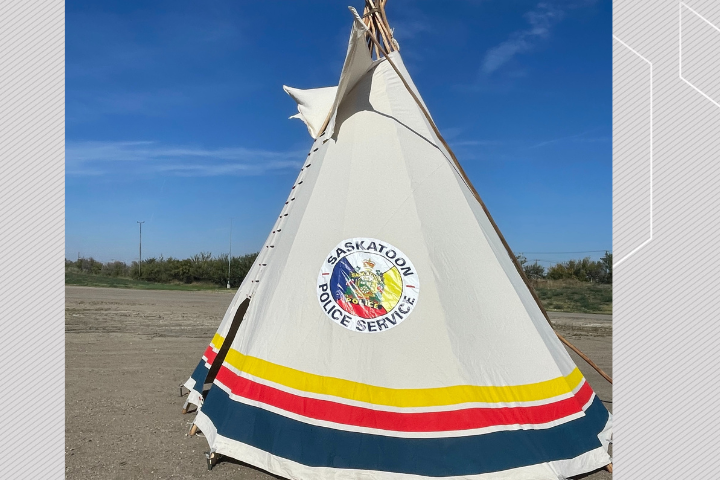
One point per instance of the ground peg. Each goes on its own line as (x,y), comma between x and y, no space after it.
(187,407)
(193,430)
(609,467)
(212,458)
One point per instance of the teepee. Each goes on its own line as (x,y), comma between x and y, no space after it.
(385,329)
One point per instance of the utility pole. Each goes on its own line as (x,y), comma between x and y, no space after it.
(229,254)
(140,262)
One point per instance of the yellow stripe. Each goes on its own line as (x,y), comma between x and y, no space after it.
(217,341)
(395,397)
(393,289)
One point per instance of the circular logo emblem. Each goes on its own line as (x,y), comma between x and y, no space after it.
(367,285)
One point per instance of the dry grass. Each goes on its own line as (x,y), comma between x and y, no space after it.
(89,280)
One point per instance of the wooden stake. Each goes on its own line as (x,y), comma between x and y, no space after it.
(460,170)
(186,407)
(212,459)
(193,430)
(608,467)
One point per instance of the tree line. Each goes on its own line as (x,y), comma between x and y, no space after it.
(584,270)
(203,267)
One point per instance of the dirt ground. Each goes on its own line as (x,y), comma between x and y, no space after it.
(128,350)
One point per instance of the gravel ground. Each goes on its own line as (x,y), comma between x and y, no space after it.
(128,350)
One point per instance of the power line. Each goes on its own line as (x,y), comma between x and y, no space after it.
(541,260)
(580,251)
(140,262)
(229,254)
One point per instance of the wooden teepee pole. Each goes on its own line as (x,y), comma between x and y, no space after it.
(477,197)
(576,350)
(380,24)
(379,33)
(381,5)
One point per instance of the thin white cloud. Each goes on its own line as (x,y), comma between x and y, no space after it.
(143,157)
(541,21)
(87,105)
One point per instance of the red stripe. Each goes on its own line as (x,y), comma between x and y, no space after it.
(463,419)
(210,354)
(362,311)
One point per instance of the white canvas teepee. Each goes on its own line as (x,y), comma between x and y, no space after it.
(384,330)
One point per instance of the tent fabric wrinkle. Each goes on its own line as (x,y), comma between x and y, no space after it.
(388,333)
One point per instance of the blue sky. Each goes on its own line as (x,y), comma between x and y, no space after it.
(175,115)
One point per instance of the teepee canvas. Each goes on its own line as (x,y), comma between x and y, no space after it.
(384,330)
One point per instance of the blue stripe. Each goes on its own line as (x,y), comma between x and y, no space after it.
(339,278)
(434,457)
(199,375)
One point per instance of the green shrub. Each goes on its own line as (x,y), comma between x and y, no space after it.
(201,268)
